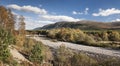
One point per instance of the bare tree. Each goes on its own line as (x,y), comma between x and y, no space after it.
(21,25)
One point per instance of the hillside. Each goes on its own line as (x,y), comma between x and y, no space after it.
(85,25)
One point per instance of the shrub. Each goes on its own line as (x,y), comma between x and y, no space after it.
(36,54)
(114,36)
(82,60)
(6,39)
(105,36)
(63,56)
(28,45)
(110,62)
(89,40)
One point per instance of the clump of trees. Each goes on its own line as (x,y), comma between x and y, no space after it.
(93,38)
(6,33)
(105,35)
(7,19)
(109,38)
(71,35)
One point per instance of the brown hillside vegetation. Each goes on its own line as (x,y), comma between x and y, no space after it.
(84,25)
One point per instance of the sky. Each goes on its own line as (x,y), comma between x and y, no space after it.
(38,13)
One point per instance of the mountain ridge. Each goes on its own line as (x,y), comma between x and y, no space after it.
(84,25)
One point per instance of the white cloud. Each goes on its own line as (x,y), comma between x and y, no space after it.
(34,23)
(75,13)
(107,12)
(28,8)
(85,12)
(43,19)
(86,9)
(47,19)
(56,18)
(116,20)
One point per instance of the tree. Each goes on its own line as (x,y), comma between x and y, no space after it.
(21,32)
(21,25)
(3,16)
(11,23)
(7,19)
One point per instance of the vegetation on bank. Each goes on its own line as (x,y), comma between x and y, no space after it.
(66,57)
(6,35)
(94,38)
(71,35)
(62,56)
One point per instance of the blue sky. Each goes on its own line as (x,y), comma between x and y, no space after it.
(42,12)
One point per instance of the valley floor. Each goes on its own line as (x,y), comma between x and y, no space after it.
(97,50)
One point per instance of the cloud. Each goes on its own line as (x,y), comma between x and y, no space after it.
(85,12)
(15,14)
(28,8)
(56,18)
(47,19)
(107,12)
(44,18)
(75,13)
(116,20)
(31,24)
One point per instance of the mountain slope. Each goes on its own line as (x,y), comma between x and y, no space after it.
(85,25)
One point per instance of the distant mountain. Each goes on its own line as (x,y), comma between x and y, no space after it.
(84,25)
